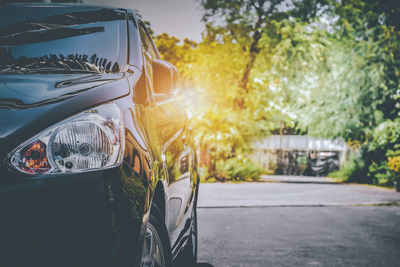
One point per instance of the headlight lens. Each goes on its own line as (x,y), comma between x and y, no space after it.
(91,140)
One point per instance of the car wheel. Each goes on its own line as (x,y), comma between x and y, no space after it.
(156,248)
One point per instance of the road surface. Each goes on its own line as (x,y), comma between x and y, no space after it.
(288,223)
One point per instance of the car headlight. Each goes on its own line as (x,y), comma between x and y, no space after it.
(90,140)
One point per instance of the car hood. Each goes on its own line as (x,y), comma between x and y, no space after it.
(31,103)
(24,91)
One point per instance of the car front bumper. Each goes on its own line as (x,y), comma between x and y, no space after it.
(67,220)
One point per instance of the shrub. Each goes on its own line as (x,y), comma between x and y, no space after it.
(239,169)
(394,163)
(377,164)
(345,171)
(381,174)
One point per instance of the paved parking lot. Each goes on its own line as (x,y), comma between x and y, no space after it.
(298,224)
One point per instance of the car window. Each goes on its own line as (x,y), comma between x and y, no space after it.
(146,43)
(135,58)
(62,40)
(148,55)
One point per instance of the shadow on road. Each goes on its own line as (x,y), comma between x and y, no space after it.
(203,264)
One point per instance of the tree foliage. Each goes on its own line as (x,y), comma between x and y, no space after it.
(327,68)
(350,82)
(171,50)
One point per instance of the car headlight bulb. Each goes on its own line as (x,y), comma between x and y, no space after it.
(32,158)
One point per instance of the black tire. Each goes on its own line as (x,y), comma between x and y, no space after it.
(188,257)
(158,229)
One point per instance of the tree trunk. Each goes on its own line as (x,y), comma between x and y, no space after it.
(253,52)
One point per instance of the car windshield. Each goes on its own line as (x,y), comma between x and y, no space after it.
(61,39)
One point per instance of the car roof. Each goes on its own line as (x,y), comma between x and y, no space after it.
(71,6)
(64,7)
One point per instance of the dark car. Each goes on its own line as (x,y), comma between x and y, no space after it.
(98,165)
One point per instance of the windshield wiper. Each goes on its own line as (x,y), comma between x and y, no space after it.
(43,70)
(45,35)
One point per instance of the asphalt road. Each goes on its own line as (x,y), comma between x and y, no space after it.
(298,224)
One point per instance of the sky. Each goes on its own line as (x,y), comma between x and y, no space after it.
(180,18)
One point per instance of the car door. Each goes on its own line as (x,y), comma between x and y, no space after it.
(166,125)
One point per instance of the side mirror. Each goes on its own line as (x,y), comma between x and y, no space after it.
(165,77)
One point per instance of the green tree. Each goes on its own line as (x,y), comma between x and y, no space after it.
(243,23)
(343,79)
(326,67)
(172,51)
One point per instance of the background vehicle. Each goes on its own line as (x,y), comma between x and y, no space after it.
(98,166)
